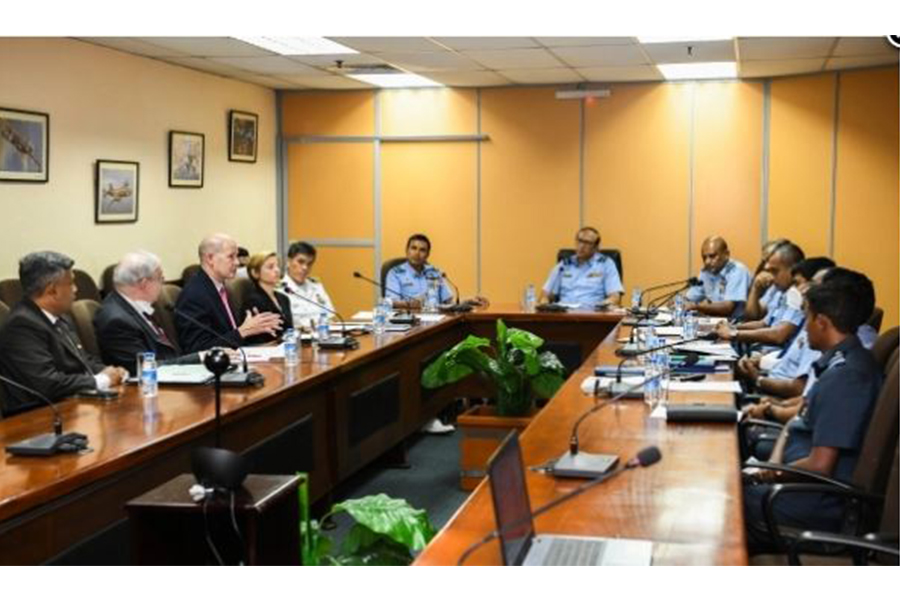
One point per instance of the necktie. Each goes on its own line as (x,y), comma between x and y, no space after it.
(63,328)
(223,295)
(160,332)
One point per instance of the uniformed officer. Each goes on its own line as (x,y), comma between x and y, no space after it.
(782,320)
(587,278)
(827,435)
(724,282)
(762,293)
(407,284)
(301,258)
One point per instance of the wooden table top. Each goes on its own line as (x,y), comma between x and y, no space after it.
(689,504)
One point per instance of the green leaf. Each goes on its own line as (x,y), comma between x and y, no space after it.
(524,340)
(381,552)
(501,339)
(546,384)
(456,363)
(394,518)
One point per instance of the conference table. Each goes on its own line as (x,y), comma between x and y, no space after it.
(338,411)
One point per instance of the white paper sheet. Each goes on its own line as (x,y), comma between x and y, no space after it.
(704,386)
(264,353)
(669,331)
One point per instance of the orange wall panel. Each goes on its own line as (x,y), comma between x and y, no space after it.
(429,111)
(636,179)
(866,227)
(328,113)
(335,267)
(330,190)
(430,188)
(727,168)
(529,187)
(800,161)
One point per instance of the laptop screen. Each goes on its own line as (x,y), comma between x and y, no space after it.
(512,509)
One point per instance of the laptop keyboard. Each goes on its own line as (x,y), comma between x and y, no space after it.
(574,552)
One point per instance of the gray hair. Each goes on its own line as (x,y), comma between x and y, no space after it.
(213,244)
(39,269)
(134,267)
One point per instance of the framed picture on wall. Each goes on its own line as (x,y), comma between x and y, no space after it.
(24,146)
(243,131)
(186,159)
(116,197)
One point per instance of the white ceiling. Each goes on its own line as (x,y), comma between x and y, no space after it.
(499,61)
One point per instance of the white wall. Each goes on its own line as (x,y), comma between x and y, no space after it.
(112,105)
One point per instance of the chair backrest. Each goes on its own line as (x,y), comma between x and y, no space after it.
(889,522)
(87,289)
(387,266)
(83,312)
(885,345)
(106,280)
(614,254)
(877,451)
(4,312)
(10,291)
(875,320)
(188,272)
(239,289)
(164,308)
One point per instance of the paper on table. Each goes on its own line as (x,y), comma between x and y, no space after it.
(707,347)
(704,386)
(363,315)
(669,331)
(430,318)
(264,353)
(591,383)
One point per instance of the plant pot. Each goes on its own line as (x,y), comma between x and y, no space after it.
(482,432)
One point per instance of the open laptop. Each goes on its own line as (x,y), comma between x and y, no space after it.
(519,544)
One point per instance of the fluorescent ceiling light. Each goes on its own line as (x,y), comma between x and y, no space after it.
(671,39)
(708,70)
(395,80)
(298,46)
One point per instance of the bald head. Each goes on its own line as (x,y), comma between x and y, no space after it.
(715,254)
(218,256)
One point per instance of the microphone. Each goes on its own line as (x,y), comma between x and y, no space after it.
(457,307)
(408,318)
(631,350)
(657,302)
(46,444)
(647,457)
(234,378)
(552,305)
(332,343)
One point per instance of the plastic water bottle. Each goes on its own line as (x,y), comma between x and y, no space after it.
(636,297)
(689,323)
(379,319)
(322,332)
(291,354)
(431,297)
(530,300)
(149,376)
(651,383)
(679,310)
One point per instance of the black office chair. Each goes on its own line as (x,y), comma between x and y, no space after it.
(875,320)
(614,254)
(188,272)
(239,289)
(87,288)
(387,266)
(10,292)
(164,308)
(885,346)
(106,281)
(83,312)
(4,313)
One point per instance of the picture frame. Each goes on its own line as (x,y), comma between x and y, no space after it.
(187,159)
(243,136)
(24,146)
(117,191)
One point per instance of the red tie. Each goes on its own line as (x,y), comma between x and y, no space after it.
(223,294)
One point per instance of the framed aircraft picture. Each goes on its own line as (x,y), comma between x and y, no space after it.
(118,183)
(186,159)
(24,146)
(242,136)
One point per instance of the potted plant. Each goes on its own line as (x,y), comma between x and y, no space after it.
(518,374)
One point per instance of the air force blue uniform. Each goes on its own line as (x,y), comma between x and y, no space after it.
(585,284)
(403,282)
(730,284)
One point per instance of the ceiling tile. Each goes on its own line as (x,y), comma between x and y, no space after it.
(205,46)
(635,73)
(852,62)
(326,82)
(864,46)
(717,51)
(328,60)
(542,75)
(784,48)
(776,68)
(204,64)
(430,61)
(469,78)
(562,42)
(388,44)
(134,46)
(269,65)
(601,56)
(487,43)
(515,59)
(269,82)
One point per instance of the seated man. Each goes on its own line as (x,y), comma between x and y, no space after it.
(39,347)
(724,282)
(406,285)
(827,435)
(125,324)
(205,300)
(300,285)
(588,278)
(762,293)
(782,319)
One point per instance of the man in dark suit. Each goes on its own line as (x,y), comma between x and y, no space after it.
(205,300)
(38,345)
(126,324)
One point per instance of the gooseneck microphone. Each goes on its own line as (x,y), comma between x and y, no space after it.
(457,306)
(631,350)
(232,379)
(341,342)
(408,318)
(46,444)
(689,282)
(647,457)
(660,301)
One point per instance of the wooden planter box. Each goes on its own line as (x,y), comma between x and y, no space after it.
(482,432)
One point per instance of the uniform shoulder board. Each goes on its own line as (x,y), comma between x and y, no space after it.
(729,266)
(601,257)
(837,360)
